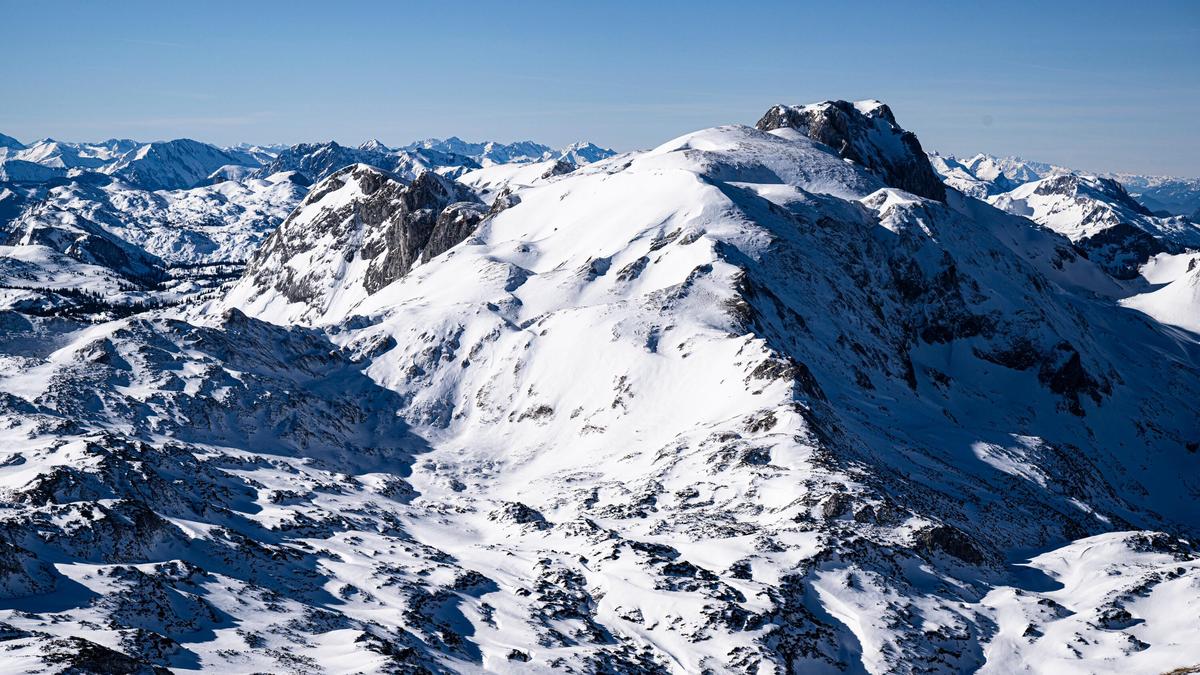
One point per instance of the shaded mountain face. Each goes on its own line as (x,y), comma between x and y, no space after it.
(10,143)
(21,171)
(733,404)
(866,133)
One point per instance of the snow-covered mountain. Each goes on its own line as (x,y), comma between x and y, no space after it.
(171,165)
(584,152)
(986,175)
(163,165)
(92,245)
(982,175)
(1098,215)
(10,143)
(260,154)
(63,155)
(184,163)
(318,161)
(1164,195)
(1009,172)
(760,399)
(221,222)
(491,153)
(22,171)
(870,358)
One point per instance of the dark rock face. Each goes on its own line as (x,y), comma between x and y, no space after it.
(516,512)
(428,218)
(1122,249)
(872,139)
(394,225)
(948,540)
(560,168)
(77,655)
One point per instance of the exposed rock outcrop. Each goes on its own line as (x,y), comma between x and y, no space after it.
(356,232)
(866,133)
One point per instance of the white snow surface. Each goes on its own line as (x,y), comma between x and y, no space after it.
(1177,303)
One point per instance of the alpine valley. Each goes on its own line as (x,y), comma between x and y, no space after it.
(796,397)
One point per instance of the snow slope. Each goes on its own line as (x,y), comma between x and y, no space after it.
(489,182)
(1177,303)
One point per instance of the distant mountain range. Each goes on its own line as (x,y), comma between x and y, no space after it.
(184,163)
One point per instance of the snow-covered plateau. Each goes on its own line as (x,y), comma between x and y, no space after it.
(795,397)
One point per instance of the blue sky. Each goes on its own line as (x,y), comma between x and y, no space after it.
(1096,85)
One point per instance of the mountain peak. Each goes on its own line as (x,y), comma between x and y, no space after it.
(866,133)
(374,145)
(11,143)
(584,152)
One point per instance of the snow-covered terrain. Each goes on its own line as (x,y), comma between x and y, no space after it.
(223,222)
(759,399)
(492,153)
(1102,218)
(1164,195)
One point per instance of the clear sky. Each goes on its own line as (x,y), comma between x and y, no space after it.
(1094,85)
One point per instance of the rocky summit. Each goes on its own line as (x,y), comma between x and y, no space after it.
(787,398)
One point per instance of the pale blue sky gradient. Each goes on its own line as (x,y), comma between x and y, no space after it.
(1098,85)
